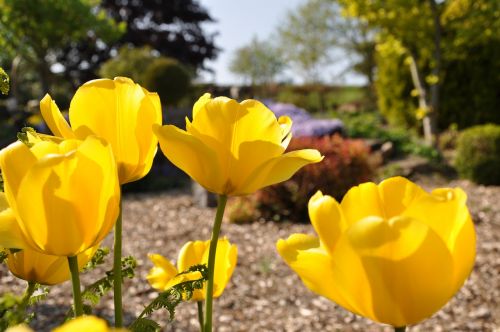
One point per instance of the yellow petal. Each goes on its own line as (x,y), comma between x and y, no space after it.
(278,169)
(225,262)
(286,130)
(10,233)
(362,201)
(408,269)
(19,328)
(200,103)
(315,268)
(84,324)
(224,125)
(397,193)
(54,119)
(192,253)
(15,160)
(162,272)
(44,269)
(445,211)
(191,155)
(68,203)
(327,219)
(123,113)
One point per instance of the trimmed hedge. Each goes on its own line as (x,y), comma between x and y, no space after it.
(478,154)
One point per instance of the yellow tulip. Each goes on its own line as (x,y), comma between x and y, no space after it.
(63,196)
(44,269)
(392,253)
(86,324)
(119,111)
(233,148)
(162,275)
(19,328)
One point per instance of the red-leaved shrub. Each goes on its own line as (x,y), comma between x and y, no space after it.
(346,164)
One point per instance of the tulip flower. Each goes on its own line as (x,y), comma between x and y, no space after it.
(119,111)
(86,324)
(233,148)
(122,113)
(33,266)
(164,274)
(392,253)
(64,196)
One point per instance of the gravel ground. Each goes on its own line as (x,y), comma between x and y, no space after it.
(264,294)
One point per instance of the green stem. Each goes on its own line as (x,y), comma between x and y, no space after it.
(400,329)
(200,314)
(75,281)
(211,261)
(27,294)
(117,270)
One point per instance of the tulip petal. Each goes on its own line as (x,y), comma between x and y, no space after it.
(191,254)
(10,233)
(408,269)
(224,125)
(278,169)
(191,155)
(122,113)
(446,213)
(286,130)
(68,197)
(315,268)
(225,262)
(54,119)
(327,219)
(162,272)
(397,193)
(362,201)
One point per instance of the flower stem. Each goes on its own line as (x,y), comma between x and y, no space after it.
(117,270)
(75,281)
(200,314)
(400,329)
(27,294)
(211,261)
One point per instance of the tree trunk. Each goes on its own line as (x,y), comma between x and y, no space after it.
(417,79)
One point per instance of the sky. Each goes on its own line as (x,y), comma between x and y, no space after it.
(238,21)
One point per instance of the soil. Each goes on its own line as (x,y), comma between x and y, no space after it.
(264,294)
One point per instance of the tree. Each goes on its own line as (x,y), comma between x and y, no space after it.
(35,30)
(171,28)
(306,38)
(429,32)
(259,62)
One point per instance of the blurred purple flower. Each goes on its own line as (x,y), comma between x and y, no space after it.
(304,124)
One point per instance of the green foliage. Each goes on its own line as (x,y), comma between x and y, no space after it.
(169,300)
(470,90)
(4,82)
(168,78)
(259,62)
(3,255)
(129,62)
(346,164)
(97,259)
(13,308)
(478,154)
(95,291)
(393,85)
(33,28)
(317,98)
(306,38)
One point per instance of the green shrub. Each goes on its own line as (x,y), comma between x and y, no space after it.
(168,78)
(129,62)
(346,164)
(478,154)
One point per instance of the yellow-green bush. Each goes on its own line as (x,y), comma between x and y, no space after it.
(478,154)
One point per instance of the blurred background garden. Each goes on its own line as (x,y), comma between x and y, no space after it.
(380,88)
